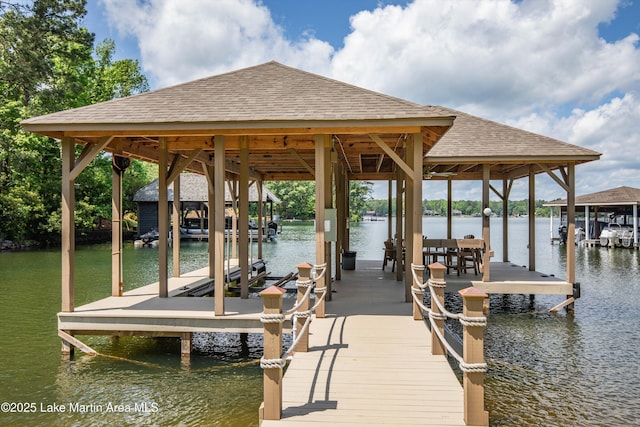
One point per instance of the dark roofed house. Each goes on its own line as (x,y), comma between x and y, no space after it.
(193,198)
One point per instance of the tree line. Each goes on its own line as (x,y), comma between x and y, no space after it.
(465,207)
(49,62)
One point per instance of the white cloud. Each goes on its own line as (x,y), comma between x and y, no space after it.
(535,64)
(184,40)
(492,57)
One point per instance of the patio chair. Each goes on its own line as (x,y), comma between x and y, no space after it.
(389,255)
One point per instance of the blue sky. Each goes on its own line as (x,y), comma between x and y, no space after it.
(569,69)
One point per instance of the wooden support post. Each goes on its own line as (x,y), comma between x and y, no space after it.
(449,208)
(175,229)
(68,224)
(339,180)
(320,200)
(271,408)
(506,189)
(243,240)
(116,232)
(415,256)
(437,271)
(163,220)
(209,172)
(328,204)
(218,234)
(571,223)
(532,219)
(409,222)
(261,222)
(320,309)
(473,353)
(303,282)
(486,221)
(185,344)
(571,227)
(399,233)
(389,210)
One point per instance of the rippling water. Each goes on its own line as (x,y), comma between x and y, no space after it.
(544,369)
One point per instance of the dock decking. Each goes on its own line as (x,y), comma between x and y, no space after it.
(142,311)
(369,363)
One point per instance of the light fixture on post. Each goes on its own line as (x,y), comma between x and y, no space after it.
(487,212)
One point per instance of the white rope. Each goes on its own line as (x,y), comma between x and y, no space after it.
(473,321)
(418,293)
(301,284)
(323,268)
(272,363)
(272,318)
(319,299)
(297,338)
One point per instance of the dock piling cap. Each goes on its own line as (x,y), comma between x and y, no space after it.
(273,291)
(472,292)
(304,270)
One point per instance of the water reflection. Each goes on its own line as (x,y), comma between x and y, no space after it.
(544,369)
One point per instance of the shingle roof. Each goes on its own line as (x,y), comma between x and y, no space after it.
(472,136)
(276,110)
(270,91)
(614,196)
(193,188)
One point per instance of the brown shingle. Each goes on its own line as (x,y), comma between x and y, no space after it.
(266,92)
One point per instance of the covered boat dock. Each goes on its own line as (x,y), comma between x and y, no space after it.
(273,122)
(615,205)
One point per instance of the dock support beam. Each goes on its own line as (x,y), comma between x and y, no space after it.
(243,239)
(532,219)
(185,344)
(175,233)
(486,223)
(218,235)
(163,220)
(321,142)
(68,224)
(416,212)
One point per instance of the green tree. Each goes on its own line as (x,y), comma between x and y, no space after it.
(47,65)
(359,195)
(297,198)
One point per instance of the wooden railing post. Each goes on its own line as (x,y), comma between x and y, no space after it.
(438,285)
(303,282)
(473,355)
(272,319)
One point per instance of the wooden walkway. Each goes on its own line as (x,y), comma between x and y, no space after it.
(369,363)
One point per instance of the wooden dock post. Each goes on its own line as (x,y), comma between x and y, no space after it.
(473,355)
(272,319)
(303,282)
(185,344)
(438,285)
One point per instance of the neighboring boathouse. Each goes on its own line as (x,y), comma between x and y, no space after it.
(598,210)
(273,122)
(194,203)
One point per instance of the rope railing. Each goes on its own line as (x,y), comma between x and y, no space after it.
(472,364)
(443,315)
(298,310)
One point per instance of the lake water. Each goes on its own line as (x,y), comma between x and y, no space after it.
(544,369)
